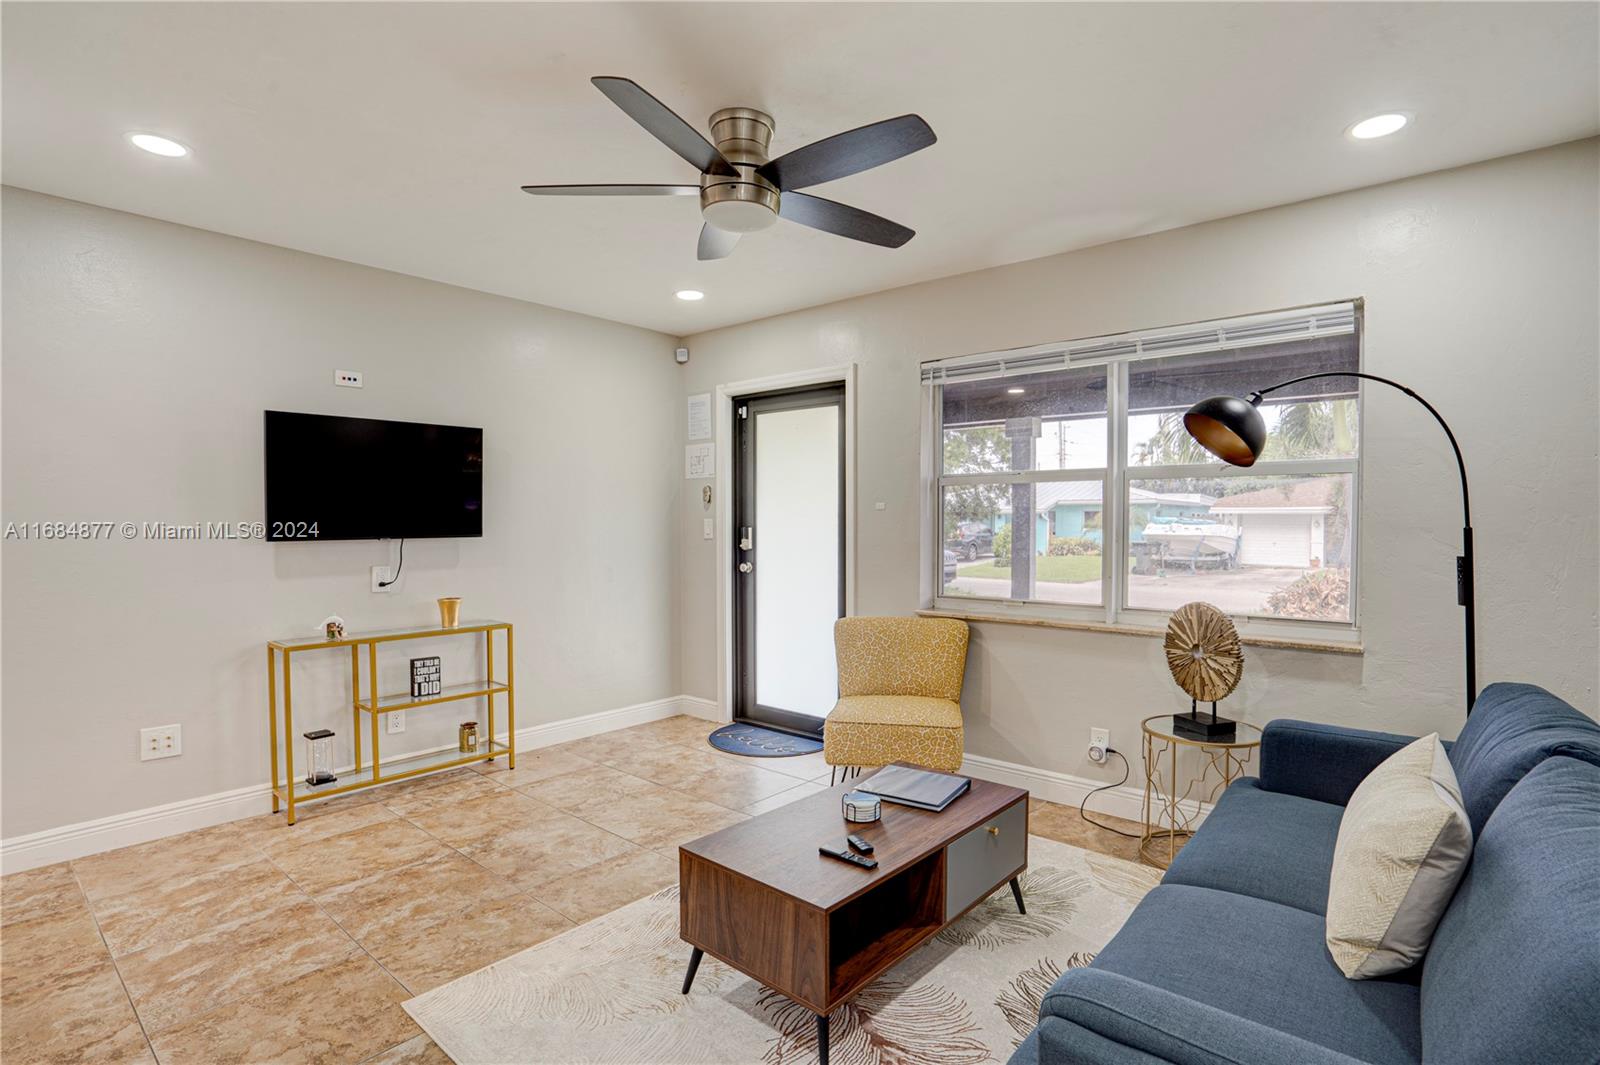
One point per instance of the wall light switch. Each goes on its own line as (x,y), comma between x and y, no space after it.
(880,506)
(710,529)
(347,378)
(163,741)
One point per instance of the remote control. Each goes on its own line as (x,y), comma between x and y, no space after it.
(849,856)
(860,844)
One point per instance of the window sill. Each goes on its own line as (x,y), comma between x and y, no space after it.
(1287,643)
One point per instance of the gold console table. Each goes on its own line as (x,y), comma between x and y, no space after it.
(375,705)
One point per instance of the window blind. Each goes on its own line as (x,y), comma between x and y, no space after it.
(1229,334)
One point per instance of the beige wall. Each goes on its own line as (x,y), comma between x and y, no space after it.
(138,357)
(1481,293)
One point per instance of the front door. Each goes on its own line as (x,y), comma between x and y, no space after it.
(788,555)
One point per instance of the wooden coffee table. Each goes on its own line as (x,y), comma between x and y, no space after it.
(759,897)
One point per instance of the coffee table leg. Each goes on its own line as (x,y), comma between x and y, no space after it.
(822,1038)
(1016,893)
(694,964)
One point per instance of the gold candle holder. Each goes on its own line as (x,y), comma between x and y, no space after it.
(449,611)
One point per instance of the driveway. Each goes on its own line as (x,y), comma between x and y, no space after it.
(1240,591)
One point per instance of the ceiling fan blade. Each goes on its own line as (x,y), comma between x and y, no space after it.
(665,126)
(612,190)
(843,220)
(715,243)
(848,153)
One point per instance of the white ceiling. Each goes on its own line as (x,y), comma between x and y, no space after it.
(397,135)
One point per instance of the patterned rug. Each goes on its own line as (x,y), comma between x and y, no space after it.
(753,741)
(609,991)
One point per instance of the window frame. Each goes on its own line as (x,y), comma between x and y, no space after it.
(1116,480)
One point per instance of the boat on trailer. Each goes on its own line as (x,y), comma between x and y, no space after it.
(1195,542)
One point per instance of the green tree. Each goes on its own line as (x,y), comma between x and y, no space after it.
(978,449)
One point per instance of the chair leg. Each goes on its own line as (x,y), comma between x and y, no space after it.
(833,775)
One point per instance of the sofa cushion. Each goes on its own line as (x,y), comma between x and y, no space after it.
(1403,844)
(1256,842)
(1266,963)
(1512,728)
(1514,970)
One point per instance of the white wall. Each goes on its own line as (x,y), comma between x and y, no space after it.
(1481,288)
(138,357)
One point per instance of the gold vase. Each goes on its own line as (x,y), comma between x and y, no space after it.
(449,611)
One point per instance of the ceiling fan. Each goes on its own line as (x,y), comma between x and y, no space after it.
(741,190)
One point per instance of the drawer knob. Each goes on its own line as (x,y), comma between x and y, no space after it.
(994,830)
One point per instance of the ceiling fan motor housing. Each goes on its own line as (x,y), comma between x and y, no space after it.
(749,202)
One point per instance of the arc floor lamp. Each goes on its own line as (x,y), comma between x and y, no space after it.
(1233,430)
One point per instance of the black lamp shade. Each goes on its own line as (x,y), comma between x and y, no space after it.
(1229,427)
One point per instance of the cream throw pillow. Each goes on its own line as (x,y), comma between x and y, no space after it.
(1403,845)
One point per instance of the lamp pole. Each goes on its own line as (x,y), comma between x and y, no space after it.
(1464,589)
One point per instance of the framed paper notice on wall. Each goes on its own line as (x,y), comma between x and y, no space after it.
(699,462)
(699,423)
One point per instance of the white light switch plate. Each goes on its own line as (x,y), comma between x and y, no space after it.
(710,531)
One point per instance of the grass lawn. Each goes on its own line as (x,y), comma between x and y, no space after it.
(1060,569)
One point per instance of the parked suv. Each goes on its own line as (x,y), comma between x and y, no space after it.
(972,538)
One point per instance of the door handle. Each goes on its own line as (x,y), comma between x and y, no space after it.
(745,541)
(745,567)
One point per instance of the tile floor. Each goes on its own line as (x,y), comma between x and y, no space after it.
(257,942)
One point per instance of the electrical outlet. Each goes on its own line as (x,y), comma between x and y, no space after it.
(395,721)
(163,741)
(1099,744)
(347,378)
(381,574)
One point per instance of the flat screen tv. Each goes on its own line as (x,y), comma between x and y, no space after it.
(363,479)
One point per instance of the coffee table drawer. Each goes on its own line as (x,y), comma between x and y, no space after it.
(977,862)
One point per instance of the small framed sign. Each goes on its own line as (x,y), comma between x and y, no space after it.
(425,677)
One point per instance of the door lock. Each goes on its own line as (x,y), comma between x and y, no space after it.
(745,567)
(745,541)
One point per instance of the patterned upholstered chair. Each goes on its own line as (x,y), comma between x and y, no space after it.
(899,693)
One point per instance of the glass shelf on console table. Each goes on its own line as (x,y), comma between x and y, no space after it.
(287,792)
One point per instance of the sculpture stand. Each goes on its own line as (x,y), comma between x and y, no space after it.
(1194,726)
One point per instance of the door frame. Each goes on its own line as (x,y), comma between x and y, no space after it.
(723,436)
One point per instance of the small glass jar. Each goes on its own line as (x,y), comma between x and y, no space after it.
(319,757)
(467,735)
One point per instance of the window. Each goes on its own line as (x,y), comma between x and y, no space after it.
(1065,483)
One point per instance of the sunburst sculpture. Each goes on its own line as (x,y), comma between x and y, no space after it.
(1206,661)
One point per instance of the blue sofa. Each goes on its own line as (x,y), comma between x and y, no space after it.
(1224,962)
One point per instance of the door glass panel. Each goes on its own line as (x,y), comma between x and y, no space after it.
(797,558)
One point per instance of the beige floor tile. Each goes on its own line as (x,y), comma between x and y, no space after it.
(533,858)
(659,821)
(735,786)
(39,893)
(604,886)
(800,766)
(602,748)
(174,983)
(424,958)
(568,791)
(452,787)
(327,863)
(70,1015)
(784,798)
(416,1051)
(683,729)
(340,1013)
(271,834)
(429,891)
(175,910)
(65,939)
(465,822)
(1063,823)
(535,765)
(140,866)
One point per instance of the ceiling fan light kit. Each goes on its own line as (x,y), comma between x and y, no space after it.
(741,189)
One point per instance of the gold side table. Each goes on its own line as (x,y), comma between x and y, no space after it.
(1166,821)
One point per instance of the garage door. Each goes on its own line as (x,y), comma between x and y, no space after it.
(1276,540)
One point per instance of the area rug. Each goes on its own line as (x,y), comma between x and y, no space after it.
(609,991)
(753,741)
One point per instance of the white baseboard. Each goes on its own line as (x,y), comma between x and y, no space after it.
(1125,800)
(155,822)
(705,709)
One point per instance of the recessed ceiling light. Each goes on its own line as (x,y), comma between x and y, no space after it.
(690,294)
(158,145)
(1015,391)
(1378,126)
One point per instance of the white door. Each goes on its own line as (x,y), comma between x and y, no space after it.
(1275,540)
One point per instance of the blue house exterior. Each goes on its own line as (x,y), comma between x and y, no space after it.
(1074,508)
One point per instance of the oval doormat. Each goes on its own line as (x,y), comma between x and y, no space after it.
(757,742)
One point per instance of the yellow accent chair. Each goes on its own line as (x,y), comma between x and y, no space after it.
(899,693)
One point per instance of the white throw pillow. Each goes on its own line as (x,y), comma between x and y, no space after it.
(1403,846)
